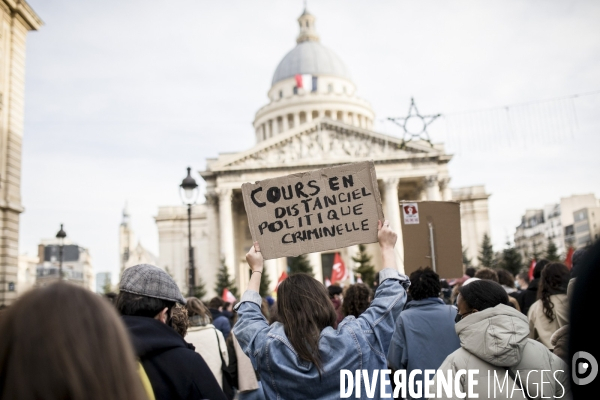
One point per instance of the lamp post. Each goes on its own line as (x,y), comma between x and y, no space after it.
(189,193)
(61,235)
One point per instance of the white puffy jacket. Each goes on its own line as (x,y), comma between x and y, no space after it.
(495,339)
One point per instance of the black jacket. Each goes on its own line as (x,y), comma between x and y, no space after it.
(175,370)
(528,296)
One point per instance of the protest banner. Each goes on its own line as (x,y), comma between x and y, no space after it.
(314,211)
(432,237)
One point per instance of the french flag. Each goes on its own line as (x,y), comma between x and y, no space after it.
(307,82)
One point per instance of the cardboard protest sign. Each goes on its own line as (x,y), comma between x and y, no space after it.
(431,237)
(314,211)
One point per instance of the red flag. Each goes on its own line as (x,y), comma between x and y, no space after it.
(531,268)
(228,296)
(283,276)
(339,269)
(298,78)
(569,258)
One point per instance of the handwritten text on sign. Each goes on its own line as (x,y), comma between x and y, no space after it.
(315,211)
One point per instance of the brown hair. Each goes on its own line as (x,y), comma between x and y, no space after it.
(198,313)
(264,308)
(356,300)
(506,278)
(64,342)
(554,280)
(180,320)
(304,309)
(216,302)
(487,274)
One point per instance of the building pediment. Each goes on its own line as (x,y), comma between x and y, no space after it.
(322,141)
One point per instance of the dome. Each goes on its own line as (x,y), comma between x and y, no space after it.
(312,58)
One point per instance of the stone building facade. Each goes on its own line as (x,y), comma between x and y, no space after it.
(313,119)
(16,20)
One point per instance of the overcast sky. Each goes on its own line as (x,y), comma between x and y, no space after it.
(121,96)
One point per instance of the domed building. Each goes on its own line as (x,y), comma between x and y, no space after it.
(310,82)
(313,119)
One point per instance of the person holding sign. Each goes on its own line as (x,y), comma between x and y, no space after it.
(302,356)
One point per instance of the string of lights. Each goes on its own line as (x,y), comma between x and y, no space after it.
(526,125)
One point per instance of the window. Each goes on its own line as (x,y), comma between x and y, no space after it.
(281,94)
(330,88)
(295,89)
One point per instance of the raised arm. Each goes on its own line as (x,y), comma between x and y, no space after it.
(390,295)
(251,327)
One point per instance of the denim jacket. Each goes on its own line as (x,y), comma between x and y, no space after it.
(357,344)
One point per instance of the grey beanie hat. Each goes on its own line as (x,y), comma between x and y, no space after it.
(151,281)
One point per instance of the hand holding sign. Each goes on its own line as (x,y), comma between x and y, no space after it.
(254,258)
(314,211)
(386,237)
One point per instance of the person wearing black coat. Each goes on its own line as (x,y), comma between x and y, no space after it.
(527,297)
(174,368)
(176,372)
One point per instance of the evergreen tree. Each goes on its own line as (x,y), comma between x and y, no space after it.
(199,289)
(467,262)
(486,253)
(263,290)
(511,259)
(551,252)
(107,287)
(365,268)
(223,281)
(300,264)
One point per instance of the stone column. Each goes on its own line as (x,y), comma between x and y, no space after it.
(445,189)
(207,272)
(226,230)
(317,266)
(296,120)
(352,252)
(285,123)
(392,214)
(272,270)
(345,117)
(334,115)
(308,116)
(432,188)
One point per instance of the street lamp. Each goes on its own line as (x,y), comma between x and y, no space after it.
(61,235)
(189,193)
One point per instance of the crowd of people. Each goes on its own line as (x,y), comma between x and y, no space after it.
(149,342)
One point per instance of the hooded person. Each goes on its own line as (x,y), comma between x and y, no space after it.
(494,341)
(146,300)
